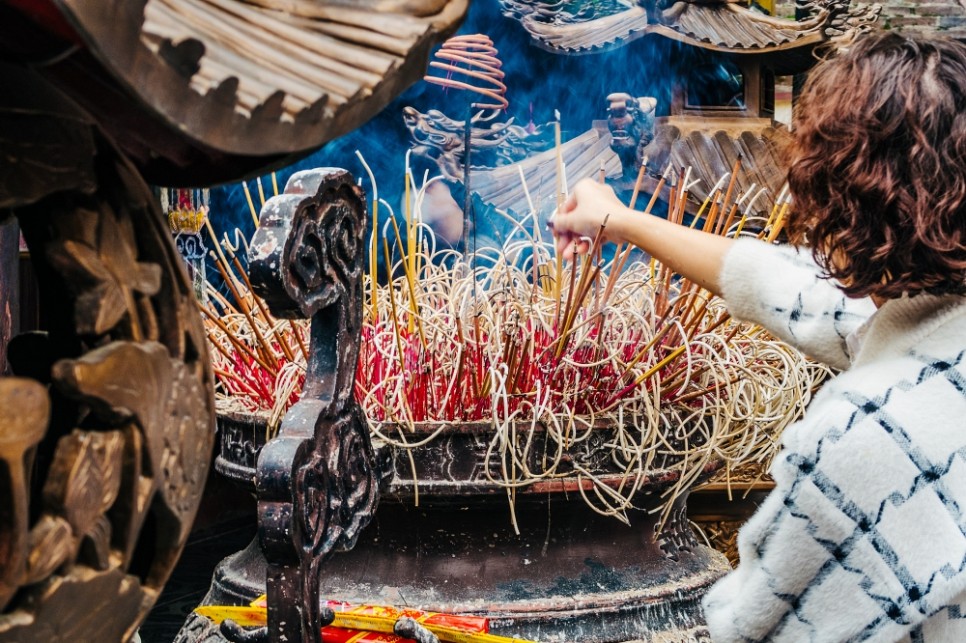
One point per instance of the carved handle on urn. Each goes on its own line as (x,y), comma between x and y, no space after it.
(316,481)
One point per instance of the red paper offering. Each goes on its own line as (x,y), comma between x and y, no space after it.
(332,634)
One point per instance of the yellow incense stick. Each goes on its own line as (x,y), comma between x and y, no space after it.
(741,225)
(251,204)
(261,190)
(771,217)
(779,223)
(222,262)
(395,318)
(373,242)
(701,210)
(650,204)
(411,283)
(559,178)
(410,245)
(732,183)
(664,362)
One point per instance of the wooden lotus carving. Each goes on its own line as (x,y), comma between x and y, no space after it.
(18,437)
(105,440)
(317,481)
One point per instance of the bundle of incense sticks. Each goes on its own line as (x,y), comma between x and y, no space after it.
(522,342)
(369,623)
(371,617)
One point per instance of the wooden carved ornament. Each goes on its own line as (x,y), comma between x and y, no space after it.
(316,482)
(106,433)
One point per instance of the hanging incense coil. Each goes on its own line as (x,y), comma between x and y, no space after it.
(470,63)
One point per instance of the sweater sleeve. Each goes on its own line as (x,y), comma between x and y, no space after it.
(853,543)
(782,289)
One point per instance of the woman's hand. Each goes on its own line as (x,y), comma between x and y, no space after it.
(696,255)
(590,206)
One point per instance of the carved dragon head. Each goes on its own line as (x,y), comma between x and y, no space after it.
(631,124)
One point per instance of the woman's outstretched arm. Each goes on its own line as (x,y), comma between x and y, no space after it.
(775,286)
(694,254)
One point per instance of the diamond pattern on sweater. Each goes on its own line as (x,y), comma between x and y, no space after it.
(864,537)
(923,506)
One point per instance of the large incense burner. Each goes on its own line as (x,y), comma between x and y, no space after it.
(534,468)
(542,565)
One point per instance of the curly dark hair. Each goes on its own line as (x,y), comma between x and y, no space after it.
(878,166)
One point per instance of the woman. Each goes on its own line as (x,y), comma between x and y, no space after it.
(864,535)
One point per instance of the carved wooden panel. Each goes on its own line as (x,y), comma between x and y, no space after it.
(317,481)
(104,449)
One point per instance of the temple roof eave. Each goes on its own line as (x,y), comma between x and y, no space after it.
(808,40)
(784,58)
(727,29)
(611,32)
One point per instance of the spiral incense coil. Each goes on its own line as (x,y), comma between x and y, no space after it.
(470,63)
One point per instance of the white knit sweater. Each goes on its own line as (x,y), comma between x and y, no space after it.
(864,536)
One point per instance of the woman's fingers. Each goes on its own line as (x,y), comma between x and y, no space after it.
(580,216)
(569,204)
(569,245)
